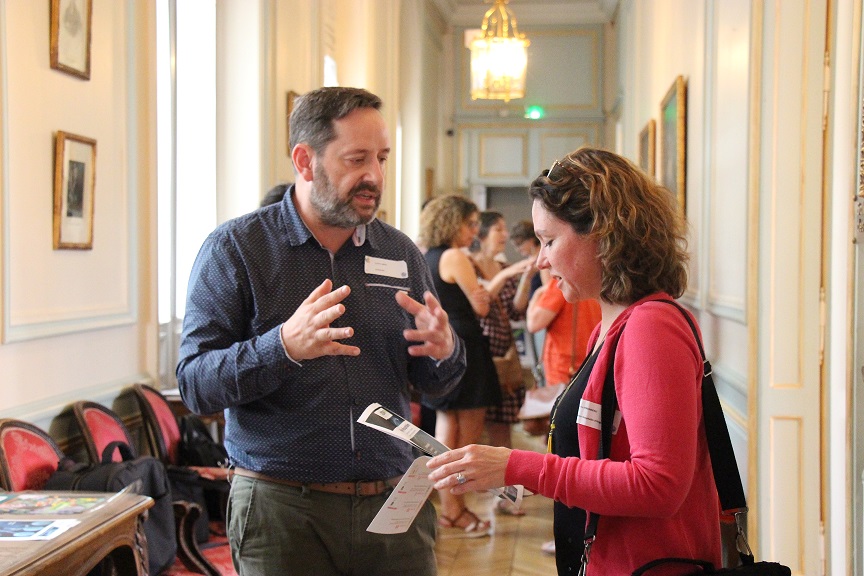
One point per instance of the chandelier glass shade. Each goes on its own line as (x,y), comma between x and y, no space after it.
(499,57)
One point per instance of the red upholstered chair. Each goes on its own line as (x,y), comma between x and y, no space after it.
(99,427)
(28,456)
(163,432)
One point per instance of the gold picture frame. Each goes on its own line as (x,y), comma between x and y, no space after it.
(74,189)
(648,148)
(673,141)
(71,32)
(289,107)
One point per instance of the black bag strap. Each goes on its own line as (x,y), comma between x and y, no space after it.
(725,468)
(723,462)
(125,451)
(608,406)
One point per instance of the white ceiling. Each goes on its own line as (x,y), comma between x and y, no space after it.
(531,12)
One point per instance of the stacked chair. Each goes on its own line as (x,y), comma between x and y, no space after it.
(99,427)
(28,456)
(163,437)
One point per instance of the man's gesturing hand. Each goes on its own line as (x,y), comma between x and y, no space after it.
(307,334)
(433,327)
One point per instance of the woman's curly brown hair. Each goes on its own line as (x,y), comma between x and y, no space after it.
(442,218)
(641,235)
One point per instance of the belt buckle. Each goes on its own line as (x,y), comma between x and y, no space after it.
(375,487)
(358,488)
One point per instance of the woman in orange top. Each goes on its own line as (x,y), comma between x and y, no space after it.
(561,354)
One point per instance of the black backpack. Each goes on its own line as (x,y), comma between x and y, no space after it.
(144,475)
(197,447)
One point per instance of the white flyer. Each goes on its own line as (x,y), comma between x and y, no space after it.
(387,421)
(405,502)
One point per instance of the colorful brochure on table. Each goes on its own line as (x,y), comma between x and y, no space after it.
(48,504)
(19,530)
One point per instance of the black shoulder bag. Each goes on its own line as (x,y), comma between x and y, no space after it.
(726,476)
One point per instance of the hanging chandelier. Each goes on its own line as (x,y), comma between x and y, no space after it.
(499,57)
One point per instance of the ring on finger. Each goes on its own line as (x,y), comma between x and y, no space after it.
(460,478)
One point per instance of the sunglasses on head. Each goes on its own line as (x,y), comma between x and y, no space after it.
(558,171)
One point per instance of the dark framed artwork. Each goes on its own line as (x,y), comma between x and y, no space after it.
(74,188)
(289,107)
(673,141)
(648,148)
(70,36)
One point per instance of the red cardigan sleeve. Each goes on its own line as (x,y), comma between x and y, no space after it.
(658,371)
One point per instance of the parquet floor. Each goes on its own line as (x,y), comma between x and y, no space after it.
(514,547)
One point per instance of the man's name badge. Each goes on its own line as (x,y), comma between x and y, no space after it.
(389,268)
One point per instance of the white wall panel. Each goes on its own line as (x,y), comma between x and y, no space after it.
(503,155)
(784,501)
(73,319)
(791,39)
(50,291)
(727,157)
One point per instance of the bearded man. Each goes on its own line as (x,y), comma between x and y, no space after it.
(299,315)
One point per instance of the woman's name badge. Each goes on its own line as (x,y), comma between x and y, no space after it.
(389,268)
(589,415)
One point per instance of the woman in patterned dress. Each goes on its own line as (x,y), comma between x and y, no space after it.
(509,288)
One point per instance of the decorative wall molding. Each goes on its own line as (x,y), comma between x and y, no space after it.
(727,306)
(52,318)
(42,412)
(732,387)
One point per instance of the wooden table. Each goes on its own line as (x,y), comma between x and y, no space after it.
(111,529)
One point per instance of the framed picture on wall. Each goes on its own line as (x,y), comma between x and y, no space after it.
(74,186)
(289,107)
(70,36)
(648,148)
(673,141)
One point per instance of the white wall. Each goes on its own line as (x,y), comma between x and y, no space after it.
(76,323)
(753,72)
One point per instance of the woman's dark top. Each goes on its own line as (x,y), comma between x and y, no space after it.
(479,386)
(569,523)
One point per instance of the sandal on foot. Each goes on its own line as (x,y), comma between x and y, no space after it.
(508,509)
(475,528)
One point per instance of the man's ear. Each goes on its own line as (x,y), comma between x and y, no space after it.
(302,156)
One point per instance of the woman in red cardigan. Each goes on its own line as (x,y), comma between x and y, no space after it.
(610,232)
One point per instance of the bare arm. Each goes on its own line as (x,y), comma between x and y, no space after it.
(456,267)
(497,282)
(538,317)
(523,289)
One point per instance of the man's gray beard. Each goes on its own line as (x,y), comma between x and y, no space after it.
(333,211)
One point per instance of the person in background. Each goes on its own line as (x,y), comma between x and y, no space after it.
(526,243)
(448,224)
(298,317)
(568,328)
(274,195)
(610,232)
(508,287)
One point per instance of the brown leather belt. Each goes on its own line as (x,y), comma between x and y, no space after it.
(363,488)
